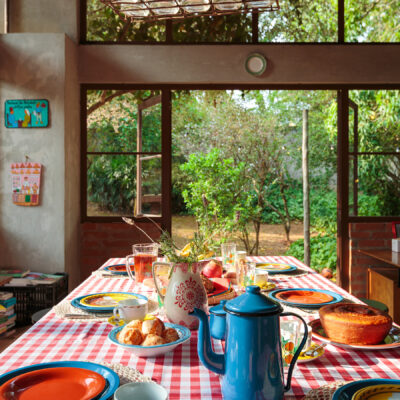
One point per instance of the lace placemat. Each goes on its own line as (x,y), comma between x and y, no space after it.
(324,392)
(65,307)
(126,374)
(303,312)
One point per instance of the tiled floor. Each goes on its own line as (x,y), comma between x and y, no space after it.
(5,342)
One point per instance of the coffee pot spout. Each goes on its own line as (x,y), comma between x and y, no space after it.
(214,362)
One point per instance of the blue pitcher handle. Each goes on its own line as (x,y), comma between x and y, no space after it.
(298,351)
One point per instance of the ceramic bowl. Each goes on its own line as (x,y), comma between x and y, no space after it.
(141,391)
(383,392)
(152,351)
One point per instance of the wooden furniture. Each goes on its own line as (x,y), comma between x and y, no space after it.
(383,283)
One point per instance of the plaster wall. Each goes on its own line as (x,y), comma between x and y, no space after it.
(72,164)
(34,67)
(44,16)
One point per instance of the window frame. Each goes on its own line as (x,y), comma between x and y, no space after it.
(166,190)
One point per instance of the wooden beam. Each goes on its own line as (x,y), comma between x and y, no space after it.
(166,161)
(289,65)
(343,272)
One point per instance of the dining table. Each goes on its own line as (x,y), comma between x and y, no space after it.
(180,371)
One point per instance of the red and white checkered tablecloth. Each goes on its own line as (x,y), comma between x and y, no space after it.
(180,372)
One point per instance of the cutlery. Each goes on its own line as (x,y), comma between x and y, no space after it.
(313,350)
(86,316)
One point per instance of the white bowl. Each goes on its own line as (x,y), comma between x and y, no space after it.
(141,391)
(152,351)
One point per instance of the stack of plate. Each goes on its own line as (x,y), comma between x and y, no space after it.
(103,303)
(61,380)
(369,389)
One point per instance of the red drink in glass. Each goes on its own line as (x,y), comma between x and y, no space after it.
(143,265)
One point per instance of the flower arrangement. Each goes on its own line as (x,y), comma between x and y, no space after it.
(196,250)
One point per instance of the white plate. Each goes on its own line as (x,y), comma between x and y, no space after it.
(152,351)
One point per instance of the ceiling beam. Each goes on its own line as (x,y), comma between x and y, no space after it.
(287,64)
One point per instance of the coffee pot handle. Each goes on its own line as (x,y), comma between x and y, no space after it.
(298,351)
(156,264)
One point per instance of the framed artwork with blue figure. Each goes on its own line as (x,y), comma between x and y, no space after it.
(26,113)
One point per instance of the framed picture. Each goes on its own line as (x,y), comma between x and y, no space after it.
(26,113)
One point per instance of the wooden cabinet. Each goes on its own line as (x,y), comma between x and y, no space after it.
(383,285)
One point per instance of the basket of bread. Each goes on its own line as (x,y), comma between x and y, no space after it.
(149,338)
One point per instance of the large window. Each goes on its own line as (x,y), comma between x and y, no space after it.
(374,149)
(123,153)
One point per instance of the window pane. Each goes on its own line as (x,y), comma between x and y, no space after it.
(151,129)
(372,21)
(112,126)
(300,21)
(378,119)
(150,181)
(104,25)
(353,181)
(111,185)
(228,28)
(379,185)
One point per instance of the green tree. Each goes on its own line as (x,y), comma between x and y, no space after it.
(215,192)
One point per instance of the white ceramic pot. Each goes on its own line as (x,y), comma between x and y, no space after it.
(184,292)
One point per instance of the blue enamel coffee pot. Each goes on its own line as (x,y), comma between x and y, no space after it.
(252,363)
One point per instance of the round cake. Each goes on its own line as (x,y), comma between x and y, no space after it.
(355,324)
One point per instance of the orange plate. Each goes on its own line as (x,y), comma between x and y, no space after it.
(120,268)
(63,383)
(304,297)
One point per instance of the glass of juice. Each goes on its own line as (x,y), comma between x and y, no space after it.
(143,257)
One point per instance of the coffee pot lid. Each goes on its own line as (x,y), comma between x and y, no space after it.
(219,309)
(253,303)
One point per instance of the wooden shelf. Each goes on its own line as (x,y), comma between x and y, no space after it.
(383,285)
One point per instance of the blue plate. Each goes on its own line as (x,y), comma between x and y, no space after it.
(98,309)
(336,297)
(113,272)
(280,268)
(112,379)
(346,392)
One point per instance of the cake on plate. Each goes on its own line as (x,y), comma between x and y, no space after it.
(355,324)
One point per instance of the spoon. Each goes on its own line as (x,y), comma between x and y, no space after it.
(313,350)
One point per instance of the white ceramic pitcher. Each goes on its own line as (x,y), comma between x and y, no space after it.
(185,291)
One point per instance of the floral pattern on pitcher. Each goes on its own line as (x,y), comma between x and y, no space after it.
(189,294)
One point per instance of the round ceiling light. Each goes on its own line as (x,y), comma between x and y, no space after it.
(256,64)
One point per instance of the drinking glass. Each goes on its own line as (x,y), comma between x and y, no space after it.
(143,255)
(228,252)
(290,336)
(245,273)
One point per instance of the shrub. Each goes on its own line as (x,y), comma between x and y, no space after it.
(322,249)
